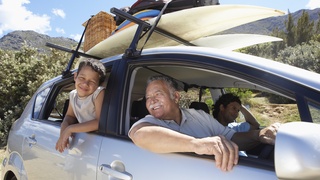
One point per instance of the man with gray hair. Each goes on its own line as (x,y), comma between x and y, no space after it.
(169,128)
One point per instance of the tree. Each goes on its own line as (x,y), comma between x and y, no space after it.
(316,35)
(304,29)
(290,34)
(21,73)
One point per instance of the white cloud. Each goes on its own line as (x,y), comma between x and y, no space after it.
(76,37)
(60,31)
(15,16)
(312,4)
(59,12)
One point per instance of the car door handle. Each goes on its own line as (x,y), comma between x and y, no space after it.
(116,170)
(32,140)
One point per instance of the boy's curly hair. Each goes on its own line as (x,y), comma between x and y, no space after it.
(96,65)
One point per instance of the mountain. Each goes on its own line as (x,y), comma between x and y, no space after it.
(16,39)
(265,26)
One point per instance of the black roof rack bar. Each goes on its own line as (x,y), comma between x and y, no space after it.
(158,30)
(67,73)
(132,51)
(71,51)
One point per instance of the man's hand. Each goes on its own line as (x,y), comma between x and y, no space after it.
(224,150)
(268,135)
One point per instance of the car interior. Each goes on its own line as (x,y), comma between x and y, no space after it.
(192,82)
(197,86)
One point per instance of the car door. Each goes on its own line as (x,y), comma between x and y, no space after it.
(42,161)
(40,141)
(78,161)
(120,158)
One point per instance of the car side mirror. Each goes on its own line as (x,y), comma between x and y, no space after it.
(297,151)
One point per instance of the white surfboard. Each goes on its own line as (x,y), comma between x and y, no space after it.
(234,41)
(189,24)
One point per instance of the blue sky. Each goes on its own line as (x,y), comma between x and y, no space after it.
(65,17)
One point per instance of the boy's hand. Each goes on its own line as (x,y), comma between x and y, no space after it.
(63,141)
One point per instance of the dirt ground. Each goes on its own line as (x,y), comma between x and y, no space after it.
(267,113)
(2,150)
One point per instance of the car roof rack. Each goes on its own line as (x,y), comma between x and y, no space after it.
(131,52)
(71,51)
(143,26)
(75,53)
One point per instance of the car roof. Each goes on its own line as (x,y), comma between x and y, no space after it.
(292,73)
(295,74)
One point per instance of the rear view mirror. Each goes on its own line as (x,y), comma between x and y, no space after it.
(297,151)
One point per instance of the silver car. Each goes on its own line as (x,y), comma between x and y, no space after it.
(110,154)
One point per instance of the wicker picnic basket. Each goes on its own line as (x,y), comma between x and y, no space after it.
(100,27)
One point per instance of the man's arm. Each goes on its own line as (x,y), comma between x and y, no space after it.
(163,140)
(246,140)
(250,139)
(248,116)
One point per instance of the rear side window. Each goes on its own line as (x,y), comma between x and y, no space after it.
(315,113)
(40,99)
(61,103)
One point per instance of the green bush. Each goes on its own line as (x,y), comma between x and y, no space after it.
(306,56)
(243,94)
(21,73)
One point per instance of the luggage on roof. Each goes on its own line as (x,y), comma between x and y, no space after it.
(174,5)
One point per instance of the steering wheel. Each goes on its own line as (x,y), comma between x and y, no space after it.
(267,152)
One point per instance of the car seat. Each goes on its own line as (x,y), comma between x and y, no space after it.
(138,110)
(199,105)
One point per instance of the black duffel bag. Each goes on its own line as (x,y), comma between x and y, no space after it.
(174,5)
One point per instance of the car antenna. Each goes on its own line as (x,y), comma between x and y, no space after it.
(75,54)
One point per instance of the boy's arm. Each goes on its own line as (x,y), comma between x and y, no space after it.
(68,126)
(68,119)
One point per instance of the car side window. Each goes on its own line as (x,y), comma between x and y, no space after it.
(40,99)
(61,104)
(267,107)
(315,113)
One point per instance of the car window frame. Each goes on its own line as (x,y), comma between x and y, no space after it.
(201,61)
(118,113)
(247,161)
